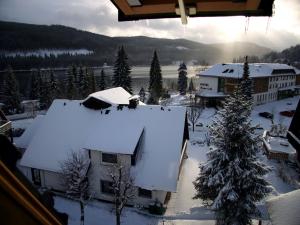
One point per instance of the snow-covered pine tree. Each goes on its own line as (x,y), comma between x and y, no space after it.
(75,74)
(74,177)
(191,88)
(102,83)
(92,81)
(122,71)
(182,79)
(71,92)
(45,99)
(53,87)
(155,82)
(35,86)
(84,83)
(231,181)
(142,94)
(246,82)
(11,92)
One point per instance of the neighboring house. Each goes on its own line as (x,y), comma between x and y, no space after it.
(278,147)
(293,134)
(284,209)
(271,81)
(112,127)
(21,203)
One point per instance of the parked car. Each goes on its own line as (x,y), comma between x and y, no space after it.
(288,113)
(266,115)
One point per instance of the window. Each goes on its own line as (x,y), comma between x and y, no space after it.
(107,187)
(36,176)
(109,158)
(145,193)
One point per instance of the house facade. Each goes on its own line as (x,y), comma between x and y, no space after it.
(111,128)
(271,81)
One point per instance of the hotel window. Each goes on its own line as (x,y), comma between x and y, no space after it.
(36,176)
(109,158)
(145,193)
(107,187)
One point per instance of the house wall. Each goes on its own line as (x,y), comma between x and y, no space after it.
(100,171)
(49,179)
(208,84)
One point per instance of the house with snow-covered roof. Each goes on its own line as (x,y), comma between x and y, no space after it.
(111,127)
(271,81)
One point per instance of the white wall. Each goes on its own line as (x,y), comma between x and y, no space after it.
(208,84)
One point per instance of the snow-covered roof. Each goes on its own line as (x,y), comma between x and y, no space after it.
(235,70)
(70,126)
(278,144)
(23,141)
(113,96)
(284,209)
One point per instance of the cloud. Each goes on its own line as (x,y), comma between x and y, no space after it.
(281,31)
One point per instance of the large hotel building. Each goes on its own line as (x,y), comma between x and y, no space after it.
(271,81)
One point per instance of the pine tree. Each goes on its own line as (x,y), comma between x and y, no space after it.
(75,75)
(92,80)
(231,182)
(191,88)
(142,94)
(155,82)
(102,84)
(53,87)
(11,92)
(246,82)
(122,71)
(84,84)
(182,79)
(45,93)
(35,86)
(71,89)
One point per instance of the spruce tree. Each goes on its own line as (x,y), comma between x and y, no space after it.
(122,70)
(11,92)
(246,82)
(45,98)
(155,82)
(142,94)
(53,87)
(191,88)
(231,181)
(84,85)
(75,75)
(71,88)
(92,80)
(35,86)
(182,79)
(102,84)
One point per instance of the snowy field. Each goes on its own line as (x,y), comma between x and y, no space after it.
(182,209)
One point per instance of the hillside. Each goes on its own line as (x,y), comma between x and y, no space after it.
(27,37)
(290,55)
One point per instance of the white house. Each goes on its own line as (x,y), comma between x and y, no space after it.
(111,127)
(271,81)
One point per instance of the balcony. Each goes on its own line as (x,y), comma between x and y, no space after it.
(5,126)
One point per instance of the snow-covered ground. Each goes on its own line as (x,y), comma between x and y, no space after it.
(182,209)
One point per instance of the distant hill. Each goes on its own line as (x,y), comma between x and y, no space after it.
(27,37)
(290,55)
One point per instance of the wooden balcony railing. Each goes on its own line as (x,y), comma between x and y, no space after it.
(5,126)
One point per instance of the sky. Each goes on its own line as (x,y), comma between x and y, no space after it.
(100,16)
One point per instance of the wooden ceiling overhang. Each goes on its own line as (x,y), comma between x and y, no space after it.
(156,9)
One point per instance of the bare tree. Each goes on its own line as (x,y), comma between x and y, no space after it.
(193,114)
(74,176)
(123,189)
